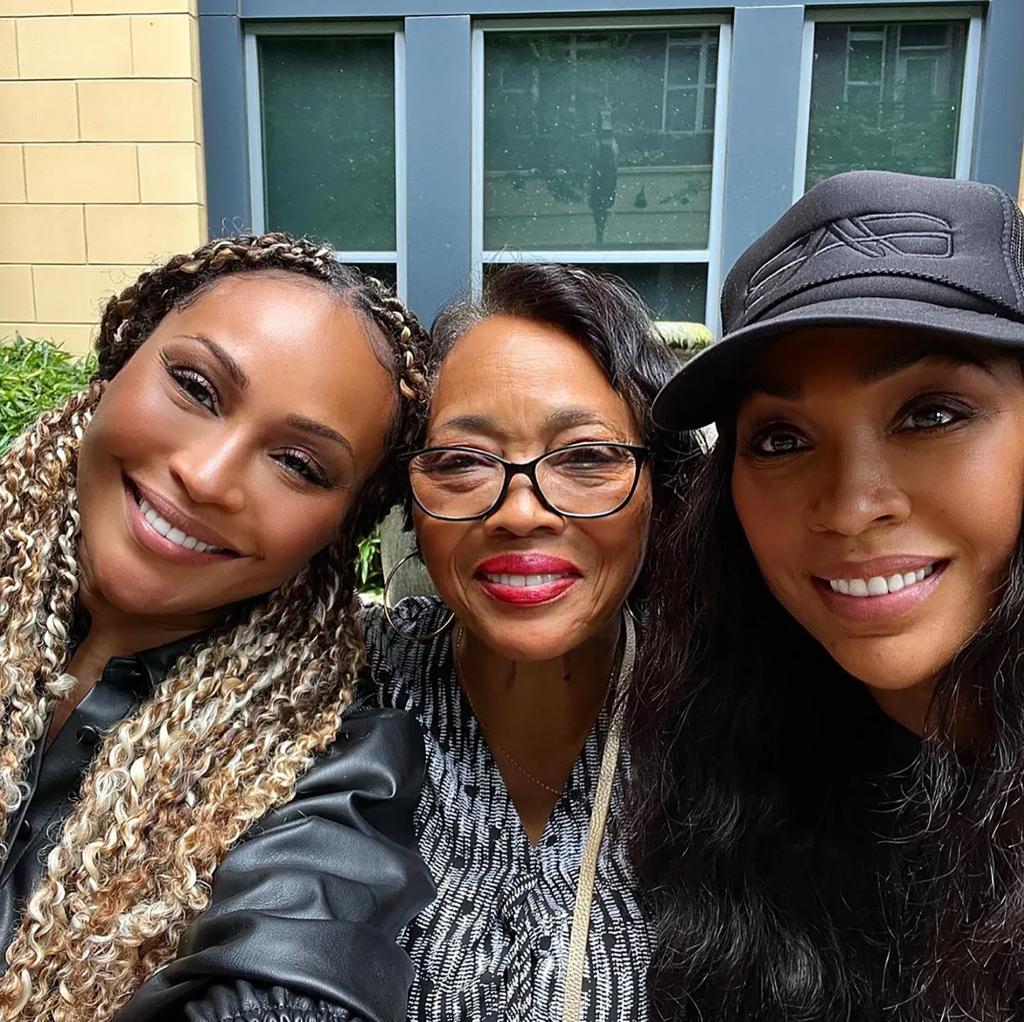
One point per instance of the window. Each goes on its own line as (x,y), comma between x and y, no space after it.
(887,96)
(598,146)
(325,142)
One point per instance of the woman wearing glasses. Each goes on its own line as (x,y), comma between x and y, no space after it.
(533,499)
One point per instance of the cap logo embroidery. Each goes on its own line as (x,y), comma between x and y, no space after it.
(873,236)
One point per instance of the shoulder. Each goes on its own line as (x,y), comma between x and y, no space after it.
(412,619)
(401,654)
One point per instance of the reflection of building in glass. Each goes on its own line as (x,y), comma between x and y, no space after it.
(599,140)
(885,96)
(691,71)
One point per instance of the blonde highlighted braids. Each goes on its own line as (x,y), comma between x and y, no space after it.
(237,720)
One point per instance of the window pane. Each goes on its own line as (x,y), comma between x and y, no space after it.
(329,138)
(386,273)
(674,292)
(886,97)
(598,140)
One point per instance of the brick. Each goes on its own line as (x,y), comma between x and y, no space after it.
(81,172)
(132,6)
(41,234)
(76,294)
(16,293)
(74,47)
(141,234)
(12,174)
(8,48)
(74,337)
(38,112)
(28,8)
(138,111)
(170,172)
(162,46)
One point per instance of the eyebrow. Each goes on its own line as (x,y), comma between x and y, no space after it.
(319,429)
(888,365)
(231,367)
(563,418)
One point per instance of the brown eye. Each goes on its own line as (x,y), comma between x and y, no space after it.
(934,414)
(196,387)
(774,443)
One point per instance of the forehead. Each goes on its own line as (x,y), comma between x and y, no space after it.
(851,356)
(510,365)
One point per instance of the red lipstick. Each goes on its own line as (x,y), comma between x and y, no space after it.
(526,579)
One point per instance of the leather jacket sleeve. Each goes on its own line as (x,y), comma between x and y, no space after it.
(305,912)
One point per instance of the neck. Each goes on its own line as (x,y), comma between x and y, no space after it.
(908,706)
(114,632)
(556,699)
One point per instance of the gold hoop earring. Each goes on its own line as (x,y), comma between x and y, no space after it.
(443,627)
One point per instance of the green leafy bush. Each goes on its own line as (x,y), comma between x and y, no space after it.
(34,377)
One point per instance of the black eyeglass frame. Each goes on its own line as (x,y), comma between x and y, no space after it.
(640,453)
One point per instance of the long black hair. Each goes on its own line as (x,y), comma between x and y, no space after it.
(772,897)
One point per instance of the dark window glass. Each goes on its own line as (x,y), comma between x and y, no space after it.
(886,97)
(328,107)
(598,140)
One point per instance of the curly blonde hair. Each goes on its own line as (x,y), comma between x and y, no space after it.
(238,719)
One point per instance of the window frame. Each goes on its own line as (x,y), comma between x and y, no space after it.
(253,32)
(709,256)
(895,15)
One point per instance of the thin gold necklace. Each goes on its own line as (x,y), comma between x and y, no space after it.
(460,633)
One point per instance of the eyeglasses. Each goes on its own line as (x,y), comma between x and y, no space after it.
(458,484)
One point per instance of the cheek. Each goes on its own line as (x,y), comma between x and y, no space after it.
(765,517)
(292,532)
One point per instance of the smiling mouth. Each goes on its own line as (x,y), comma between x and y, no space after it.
(882,585)
(524,581)
(171,532)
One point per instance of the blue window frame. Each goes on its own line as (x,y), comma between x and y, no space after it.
(738,76)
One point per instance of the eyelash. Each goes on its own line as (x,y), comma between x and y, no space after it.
(960,411)
(183,375)
(310,469)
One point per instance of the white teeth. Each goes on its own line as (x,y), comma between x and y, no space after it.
(879,585)
(168,531)
(522,581)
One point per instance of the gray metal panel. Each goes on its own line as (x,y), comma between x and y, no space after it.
(483,8)
(224,132)
(762,128)
(439,124)
(1000,124)
(218,7)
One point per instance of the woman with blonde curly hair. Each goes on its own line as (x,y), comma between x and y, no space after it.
(178,645)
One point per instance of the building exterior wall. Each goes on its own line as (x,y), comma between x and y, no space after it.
(101,163)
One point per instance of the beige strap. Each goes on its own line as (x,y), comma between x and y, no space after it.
(572,1003)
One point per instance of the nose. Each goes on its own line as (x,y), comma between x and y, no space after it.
(857,490)
(211,471)
(521,512)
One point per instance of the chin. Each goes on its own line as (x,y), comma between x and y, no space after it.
(893,670)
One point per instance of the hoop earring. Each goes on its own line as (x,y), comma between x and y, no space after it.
(440,630)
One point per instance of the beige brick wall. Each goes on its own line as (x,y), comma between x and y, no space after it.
(101,169)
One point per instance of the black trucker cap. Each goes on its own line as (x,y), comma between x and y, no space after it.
(866,248)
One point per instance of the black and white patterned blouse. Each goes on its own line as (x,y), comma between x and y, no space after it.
(493,946)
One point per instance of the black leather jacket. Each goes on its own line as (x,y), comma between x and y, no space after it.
(304,910)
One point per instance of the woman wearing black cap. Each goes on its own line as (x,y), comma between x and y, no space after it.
(829,713)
